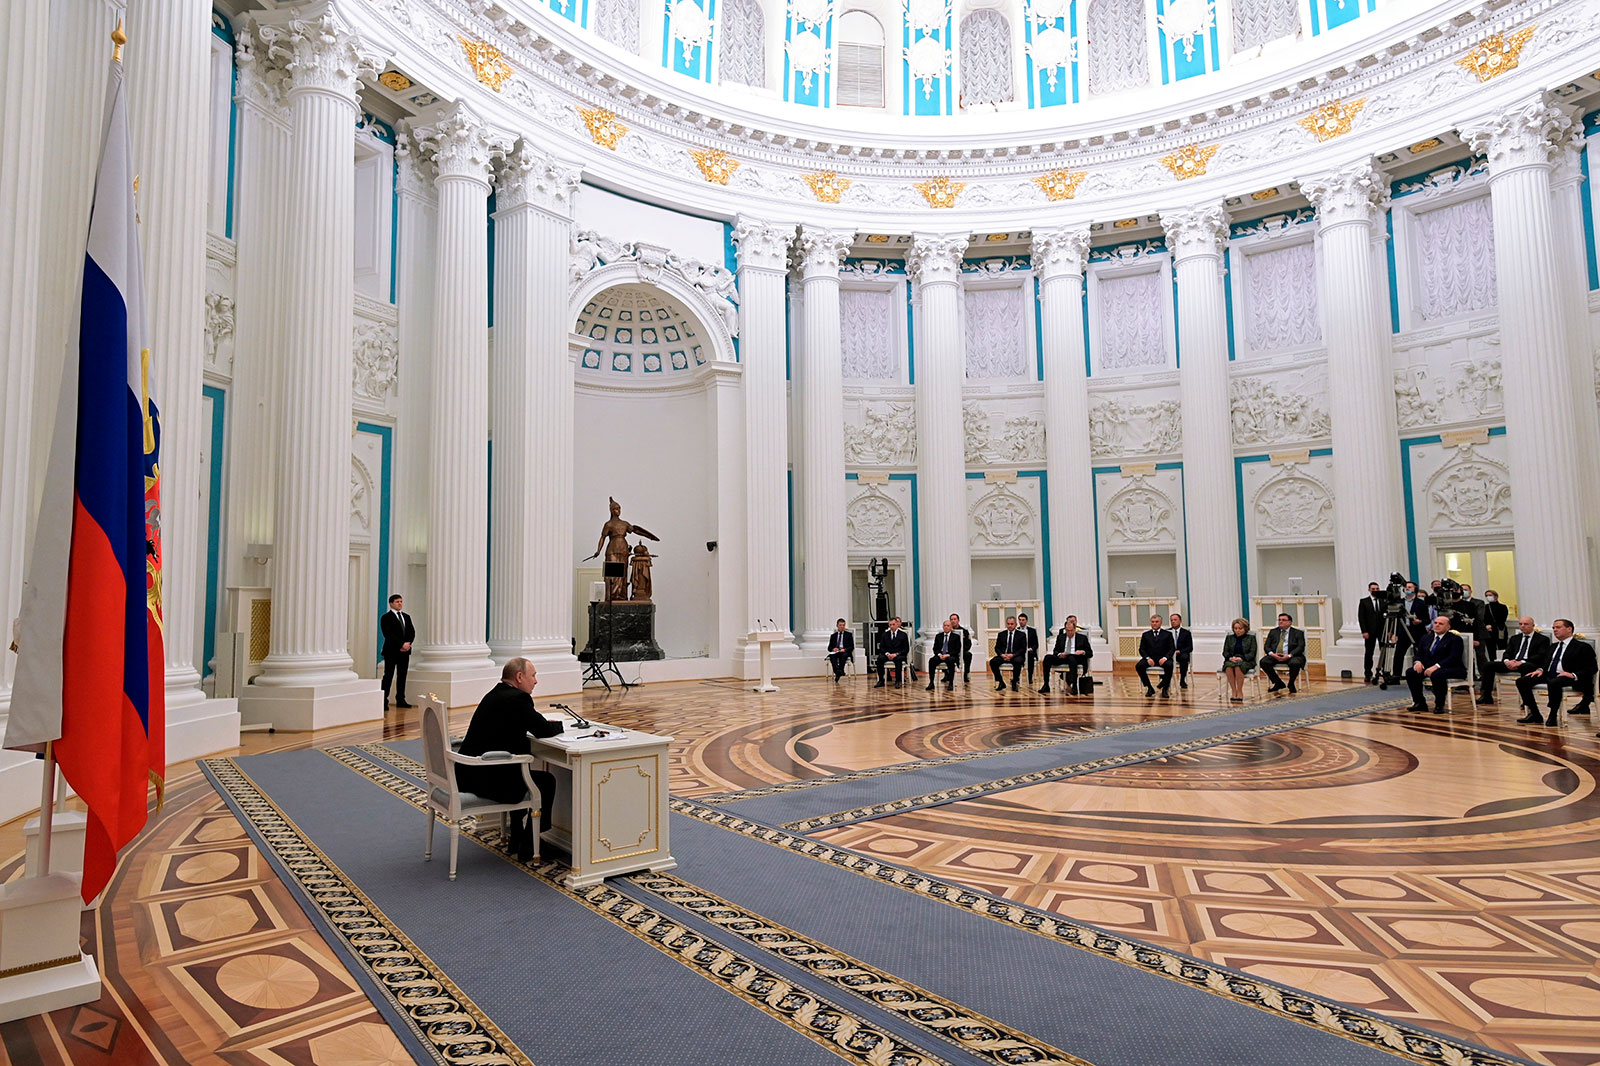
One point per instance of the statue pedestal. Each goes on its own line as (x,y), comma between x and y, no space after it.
(633,633)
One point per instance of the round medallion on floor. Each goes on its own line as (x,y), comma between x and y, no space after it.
(270,982)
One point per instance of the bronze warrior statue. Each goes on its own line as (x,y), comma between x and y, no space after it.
(614,542)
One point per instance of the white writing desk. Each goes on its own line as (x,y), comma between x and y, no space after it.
(610,809)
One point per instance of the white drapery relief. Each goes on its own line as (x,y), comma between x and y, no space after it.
(1117,57)
(1455,259)
(1281,287)
(985,58)
(1255,22)
(1130,313)
(994,339)
(866,335)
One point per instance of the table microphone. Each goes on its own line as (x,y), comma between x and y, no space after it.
(577,719)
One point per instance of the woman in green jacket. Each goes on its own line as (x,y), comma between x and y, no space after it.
(1238,658)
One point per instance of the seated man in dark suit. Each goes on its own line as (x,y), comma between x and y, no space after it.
(946,653)
(1571,665)
(504,719)
(1285,646)
(1032,636)
(1527,650)
(841,648)
(1441,658)
(1155,649)
(1072,651)
(1182,648)
(1369,616)
(1010,649)
(893,653)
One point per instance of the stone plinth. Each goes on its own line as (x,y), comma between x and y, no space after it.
(633,633)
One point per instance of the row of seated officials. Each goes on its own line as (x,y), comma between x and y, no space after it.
(1015,648)
(1559,662)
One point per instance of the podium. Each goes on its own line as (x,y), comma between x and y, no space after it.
(766,638)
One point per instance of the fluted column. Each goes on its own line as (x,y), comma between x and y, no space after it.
(944,561)
(453,660)
(819,378)
(168,60)
(531,410)
(307,680)
(1368,497)
(763,249)
(1566,181)
(1058,258)
(1196,236)
(1555,558)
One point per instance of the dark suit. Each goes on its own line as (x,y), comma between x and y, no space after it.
(841,649)
(502,722)
(1033,648)
(1294,645)
(897,643)
(1414,626)
(966,653)
(1533,653)
(1012,642)
(944,644)
(1447,651)
(1074,658)
(1154,645)
(1576,657)
(1182,649)
(397,631)
(1369,616)
(1492,632)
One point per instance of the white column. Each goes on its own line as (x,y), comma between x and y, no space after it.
(1555,558)
(1368,519)
(417,232)
(168,60)
(944,562)
(819,378)
(307,681)
(1566,179)
(1058,258)
(531,407)
(1196,236)
(453,651)
(763,249)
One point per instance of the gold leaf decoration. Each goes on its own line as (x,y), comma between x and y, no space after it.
(1264,194)
(716,166)
(1496,54)
(1425,146)
(487,62)
(1060,184)
(941,191)
(603,126)
(394,80)
(1190,161)
(1125,223)
(1333,119)
(827,185)
(878,238)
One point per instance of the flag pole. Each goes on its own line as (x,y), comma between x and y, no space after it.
(47,808)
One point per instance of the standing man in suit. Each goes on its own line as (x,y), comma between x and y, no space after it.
(966,647)
(1155,649)
(894,652)
(1492,636)
(503,721)
(1010,649)
(1072,651)
(1414,624)
(1369,616)
(398,635)
(1182,649)
(1285,646)
(841,648)
(1441,658)
(1527,650)
(1032,636)
(1571,665)
(946,652)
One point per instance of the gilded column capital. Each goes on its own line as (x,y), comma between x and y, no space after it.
(1195,231)
(317,52)
(1060,252)
(530,178)
(762,245)
(1358,192)
(936,257)
(821,250)
(460,145)
(1531,133)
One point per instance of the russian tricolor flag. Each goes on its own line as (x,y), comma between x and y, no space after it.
(90,672)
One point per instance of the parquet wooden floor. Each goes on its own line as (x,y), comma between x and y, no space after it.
(1445,871)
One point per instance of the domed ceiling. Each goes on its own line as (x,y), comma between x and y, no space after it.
(638,331)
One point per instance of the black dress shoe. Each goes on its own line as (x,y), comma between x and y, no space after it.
(1149,693)
(1001,687)
(1292,689)
(949,686)
(1418,708)
(1165,693)
(878,685)
(1183,684)
(403,703)
(1554,719)
(1531,718)
(1483,701)
(1438,710)
(1045,691)
(1277,686)
(1582,708)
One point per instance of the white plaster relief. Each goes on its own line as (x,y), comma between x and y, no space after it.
(1455,259)
(1280,409)
(886,437)
(1469,492)
(995,342)
(1132,333)
(874,521)
(1293,507)
(868,343)
(1281,293)
(219,332)
(1141,514)
(1002,518)
(591,251)
(1119,426)
(376,351)
(1466,390)
(1006,439)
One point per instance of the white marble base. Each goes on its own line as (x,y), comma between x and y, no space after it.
(295,708)
(66,842)
(39,921)
(19,784)
(1347,654)
(201,727)
(459,686)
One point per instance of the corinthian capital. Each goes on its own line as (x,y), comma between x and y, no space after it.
(822,249)
(936,257)
(1355,193)
(529,177)
(459,144)
(317,52)
(1195,231)
(260,83)
(1060,252)
(1532,133)
(761,245)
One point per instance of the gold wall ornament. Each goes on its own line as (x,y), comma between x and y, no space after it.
(603,126)
(1125,223)
(1496,54)
(1060,184)
(1424,146)
(716,166)
(487,62)
(1190,161)
(941,191)
(877,238)
(1333,118)
(1264,194)
(828,186)
(394,80)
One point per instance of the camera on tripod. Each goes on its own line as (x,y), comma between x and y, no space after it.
(1448,602)
(1394,597)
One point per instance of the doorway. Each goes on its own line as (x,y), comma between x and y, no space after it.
(1483,569)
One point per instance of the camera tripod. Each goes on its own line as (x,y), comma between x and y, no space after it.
(1387,668)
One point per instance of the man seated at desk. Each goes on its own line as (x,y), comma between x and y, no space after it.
(503,721)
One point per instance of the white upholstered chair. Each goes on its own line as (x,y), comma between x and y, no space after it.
(447,801)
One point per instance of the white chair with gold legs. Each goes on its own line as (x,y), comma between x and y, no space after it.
(1252,678)
(447,801)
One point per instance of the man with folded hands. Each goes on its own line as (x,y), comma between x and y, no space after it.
(504,719)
